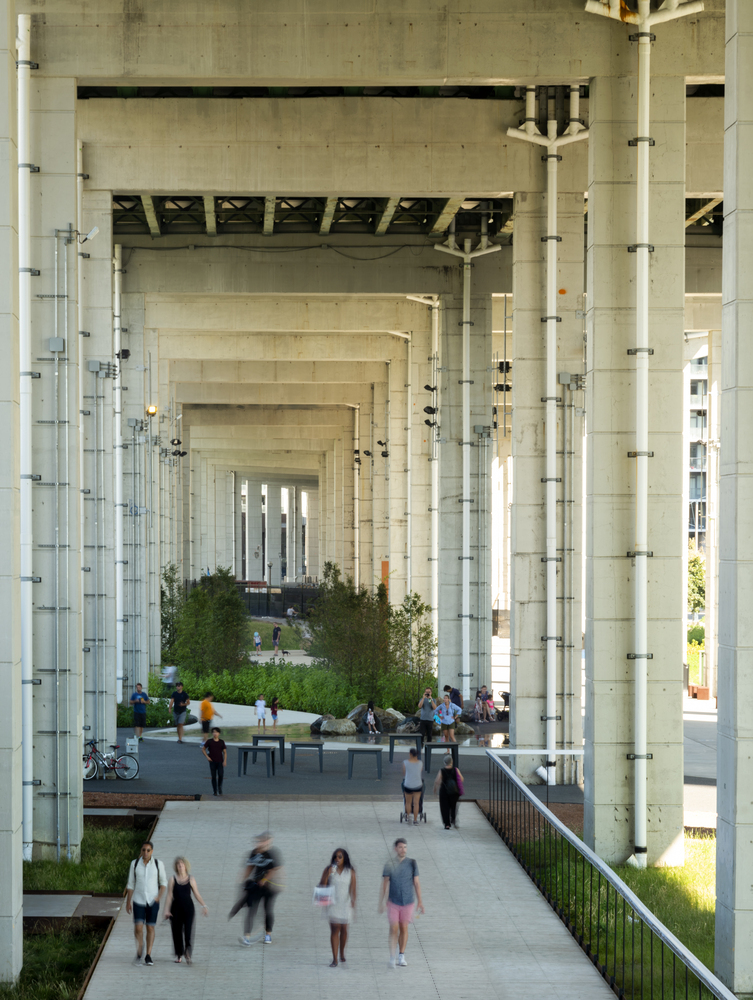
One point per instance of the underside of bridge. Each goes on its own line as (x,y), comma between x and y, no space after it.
(359,295)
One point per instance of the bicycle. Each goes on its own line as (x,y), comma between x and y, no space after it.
(125,766)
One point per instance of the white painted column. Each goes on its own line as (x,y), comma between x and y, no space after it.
(365,534)
(734,850)
(11,897)
(273,532)
(528,616)
(609,728)
(380,485)
(291,527)
(398,465)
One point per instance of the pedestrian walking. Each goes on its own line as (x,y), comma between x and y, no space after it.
(215,751)
(179,702)
(261,884)
(449,782)
(257,643)
(207,713)
(448,713)
(340,875)
(413,781)
(274,707)
(276,633)
(401,888)
(426,707)
(147,882)
(139,700)
(179,908)
(261,713)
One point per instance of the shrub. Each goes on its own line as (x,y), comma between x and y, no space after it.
(171,602)
(157,715)
(697,634)
(212,625)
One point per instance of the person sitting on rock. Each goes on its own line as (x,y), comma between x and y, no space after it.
(375,726)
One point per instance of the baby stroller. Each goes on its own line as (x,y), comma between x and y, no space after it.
(421,813)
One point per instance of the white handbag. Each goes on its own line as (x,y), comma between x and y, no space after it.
(324,895)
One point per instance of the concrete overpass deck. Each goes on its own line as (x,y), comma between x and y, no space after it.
(486,932)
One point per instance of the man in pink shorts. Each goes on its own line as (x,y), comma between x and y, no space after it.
(401,887)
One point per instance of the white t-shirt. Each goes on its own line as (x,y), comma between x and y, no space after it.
(261,707)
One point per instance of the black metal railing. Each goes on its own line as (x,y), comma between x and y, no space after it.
(635,953)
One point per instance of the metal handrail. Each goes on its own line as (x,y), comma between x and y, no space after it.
(704,976)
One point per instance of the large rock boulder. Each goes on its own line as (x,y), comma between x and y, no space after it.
(338,727)
(462,729)
(409,726)
(398,715)
(355,713)
(316,725)
(388,717)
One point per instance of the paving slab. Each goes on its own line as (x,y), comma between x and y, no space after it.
(487,931)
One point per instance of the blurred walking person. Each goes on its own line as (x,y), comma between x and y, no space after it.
(340,875)
(261,884)
(449,781)
(401,887)
(179,908)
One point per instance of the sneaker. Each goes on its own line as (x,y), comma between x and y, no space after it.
(148,960)
(267,939)
(137,960)
(401,960)
(245,940)
(392,961)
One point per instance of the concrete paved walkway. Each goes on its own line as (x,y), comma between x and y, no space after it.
(487,931)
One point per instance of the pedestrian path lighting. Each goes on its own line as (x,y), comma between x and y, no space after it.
(151,410)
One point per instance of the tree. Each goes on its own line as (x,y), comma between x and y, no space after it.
(212,627)
(171,601)
(696,581)
(413,646)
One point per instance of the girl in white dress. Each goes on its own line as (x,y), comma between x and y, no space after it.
(341,876)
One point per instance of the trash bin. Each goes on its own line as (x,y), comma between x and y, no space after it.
(132,748)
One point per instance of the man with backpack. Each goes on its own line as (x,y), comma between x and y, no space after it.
(147,883)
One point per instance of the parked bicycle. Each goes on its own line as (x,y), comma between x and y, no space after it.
(125,766)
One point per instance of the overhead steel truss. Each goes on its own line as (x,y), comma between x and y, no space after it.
(224,215)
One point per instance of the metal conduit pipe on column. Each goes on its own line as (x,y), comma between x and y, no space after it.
(409,467)
(117,400)
(81,407)
(645,19)
(466,256)
(25,270)
(356,501)
(551,141)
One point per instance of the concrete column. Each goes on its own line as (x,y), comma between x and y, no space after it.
(380,486)
(364,472)
(420,581)
(254,567)
(528,612)
(734,850)
(609,724)
(450,492)
(312,535)
(274,532)
(237,526)
(292,533)
(348,507)
(11,897)
(398,469)
(712,508)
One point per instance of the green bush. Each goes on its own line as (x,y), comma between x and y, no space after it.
(693,661)
(157,715)
(211,631)
(697,634)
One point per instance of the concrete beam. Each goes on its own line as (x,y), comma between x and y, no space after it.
(151,214)
(421,44)
(263,416)
(269,214)
(220,346)
(210,214)
(243,313)
(445,217)
(327,216)
(384,220)
(243,394)
(277,372)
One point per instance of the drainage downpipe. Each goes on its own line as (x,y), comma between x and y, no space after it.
(356,502)
(81,407)
(23,45)
(551,319)
(117,399)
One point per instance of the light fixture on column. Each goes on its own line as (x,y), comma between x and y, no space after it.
(385,454)
(89,236)
(431,410)
(367,454)
(151,410)
(430,388)
(430,423)
(175,442)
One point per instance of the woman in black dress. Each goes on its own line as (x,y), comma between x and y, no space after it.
(449,782)
(179,908)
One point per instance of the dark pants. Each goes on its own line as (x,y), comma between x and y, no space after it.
(425,727)
(448,805)
(217,771)
(182,926)
(254,895)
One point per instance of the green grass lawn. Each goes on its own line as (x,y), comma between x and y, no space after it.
(105,856)
(55,964)
(683,898)
(290,639)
